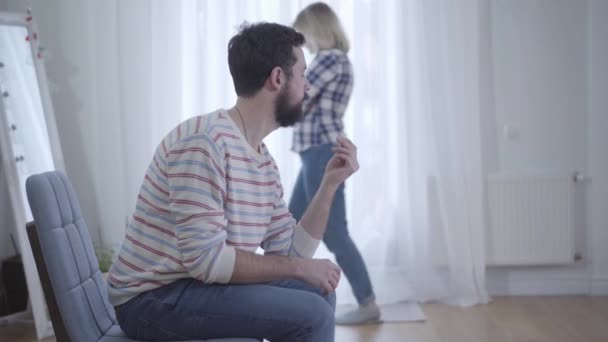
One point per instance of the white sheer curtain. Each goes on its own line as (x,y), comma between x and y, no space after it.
(117,92)
(415,207)
(442,168)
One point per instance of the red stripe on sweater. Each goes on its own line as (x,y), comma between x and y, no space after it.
(228,135)
(198,124)
(210,214)
(247,181)
(265,164)
(153,205)
(154,251)
(199,150)
(247,224)
(277,234)
(156,185)
(253,204)
(159,168)
(200,178)
(242,244)
(151,225)
(194,203)
(276,218)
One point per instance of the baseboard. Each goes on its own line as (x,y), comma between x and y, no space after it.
(599,286)
(538,285)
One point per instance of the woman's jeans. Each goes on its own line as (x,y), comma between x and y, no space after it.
(336,238)
(188,309)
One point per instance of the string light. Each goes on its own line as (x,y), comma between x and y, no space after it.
(33,37)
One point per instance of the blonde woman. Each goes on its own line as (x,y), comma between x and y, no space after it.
(331,82)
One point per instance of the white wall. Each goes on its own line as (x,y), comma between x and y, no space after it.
(544,96)
(540,83)
(598,141)
(13,5)
(64,31)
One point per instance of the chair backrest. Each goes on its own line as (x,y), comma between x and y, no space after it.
(73,272)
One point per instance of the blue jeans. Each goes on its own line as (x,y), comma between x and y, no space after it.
(286,310)
(336,238)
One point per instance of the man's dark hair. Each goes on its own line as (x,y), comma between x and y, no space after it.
(256,50)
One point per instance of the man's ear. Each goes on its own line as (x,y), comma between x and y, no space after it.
(276,78)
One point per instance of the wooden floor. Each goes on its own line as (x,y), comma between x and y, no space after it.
(512,319)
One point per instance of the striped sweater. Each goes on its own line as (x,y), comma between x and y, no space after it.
(205,193)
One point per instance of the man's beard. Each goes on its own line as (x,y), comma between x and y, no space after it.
(285,114)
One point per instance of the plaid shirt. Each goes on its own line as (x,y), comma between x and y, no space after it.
(331,83)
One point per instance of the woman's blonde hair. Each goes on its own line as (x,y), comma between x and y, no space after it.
(321,28)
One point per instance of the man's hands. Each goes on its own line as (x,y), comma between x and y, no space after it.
(343,164)
(321,273)
(250,268)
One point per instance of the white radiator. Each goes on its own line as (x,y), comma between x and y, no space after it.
(530,220)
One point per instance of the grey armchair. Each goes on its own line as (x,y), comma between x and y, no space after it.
(72,283)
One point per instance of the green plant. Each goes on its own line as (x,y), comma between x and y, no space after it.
(105,256)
